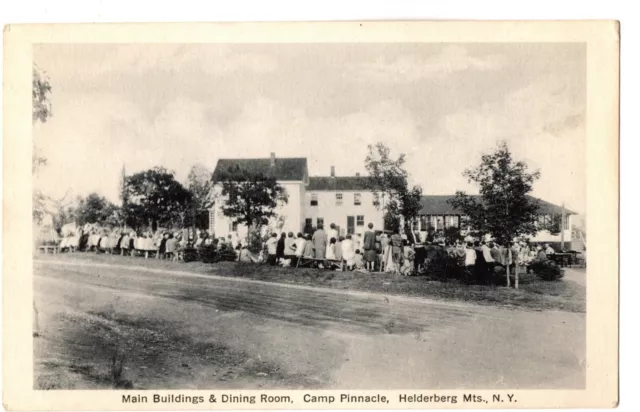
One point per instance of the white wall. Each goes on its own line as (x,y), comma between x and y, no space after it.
(291,212)
(333,213)
(545,236)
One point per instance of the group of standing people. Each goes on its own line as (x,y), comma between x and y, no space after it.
(326,248)
(482,257)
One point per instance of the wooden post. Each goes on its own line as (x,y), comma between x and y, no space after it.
(562,228)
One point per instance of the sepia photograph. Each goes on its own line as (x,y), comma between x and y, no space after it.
(384,216)
(299,217)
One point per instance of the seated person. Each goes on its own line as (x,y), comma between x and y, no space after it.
(246,256)
(358,260)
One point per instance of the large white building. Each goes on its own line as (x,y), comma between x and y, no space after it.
(345,201)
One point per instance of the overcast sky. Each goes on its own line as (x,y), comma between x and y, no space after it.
(440,104)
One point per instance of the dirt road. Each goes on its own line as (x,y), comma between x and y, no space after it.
(176,330)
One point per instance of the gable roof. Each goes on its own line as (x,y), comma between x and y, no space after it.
(439,205)
(337,183)
(285,168)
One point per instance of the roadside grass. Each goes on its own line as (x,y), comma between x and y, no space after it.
(533,294)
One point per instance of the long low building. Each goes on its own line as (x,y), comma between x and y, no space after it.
(346,201)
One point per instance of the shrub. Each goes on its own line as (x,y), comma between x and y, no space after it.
(207,253)
(444,267)
(190,254)
(546,270)
(226,254)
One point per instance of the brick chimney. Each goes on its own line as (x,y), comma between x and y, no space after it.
(333,171)
(273,159)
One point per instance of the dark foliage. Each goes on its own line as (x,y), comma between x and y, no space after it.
(254,241)
(226,254)
(251,198)
(546,270)
(207,253)
(211,253)
(504,211)
(190,254)
(452,235)
(96,209)
(155,199)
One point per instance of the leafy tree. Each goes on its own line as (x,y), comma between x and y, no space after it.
(250,198)
(41,110)
(389,180)
(200,186)
(41,96)
(503,210)
(155,197)
(96,209)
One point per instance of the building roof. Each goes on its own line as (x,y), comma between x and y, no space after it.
(337,183)
(439,205)
(285,168)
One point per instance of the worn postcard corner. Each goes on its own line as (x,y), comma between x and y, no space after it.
(311,216)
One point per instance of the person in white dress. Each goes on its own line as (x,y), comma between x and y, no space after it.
(348,253)
(333,232)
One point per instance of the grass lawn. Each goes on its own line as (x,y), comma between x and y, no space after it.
(534,294)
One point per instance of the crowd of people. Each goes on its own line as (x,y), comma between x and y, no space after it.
(161,244)
(370,251)
(396,253)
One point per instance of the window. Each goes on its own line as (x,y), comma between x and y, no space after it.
(308,224)
(543,220)
(451,221)
(360,220)
(320,221)
(357,199)
(338,199)
(423,222)
(234,226)
(314,199)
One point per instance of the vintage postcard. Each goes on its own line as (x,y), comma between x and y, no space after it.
(363,215)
